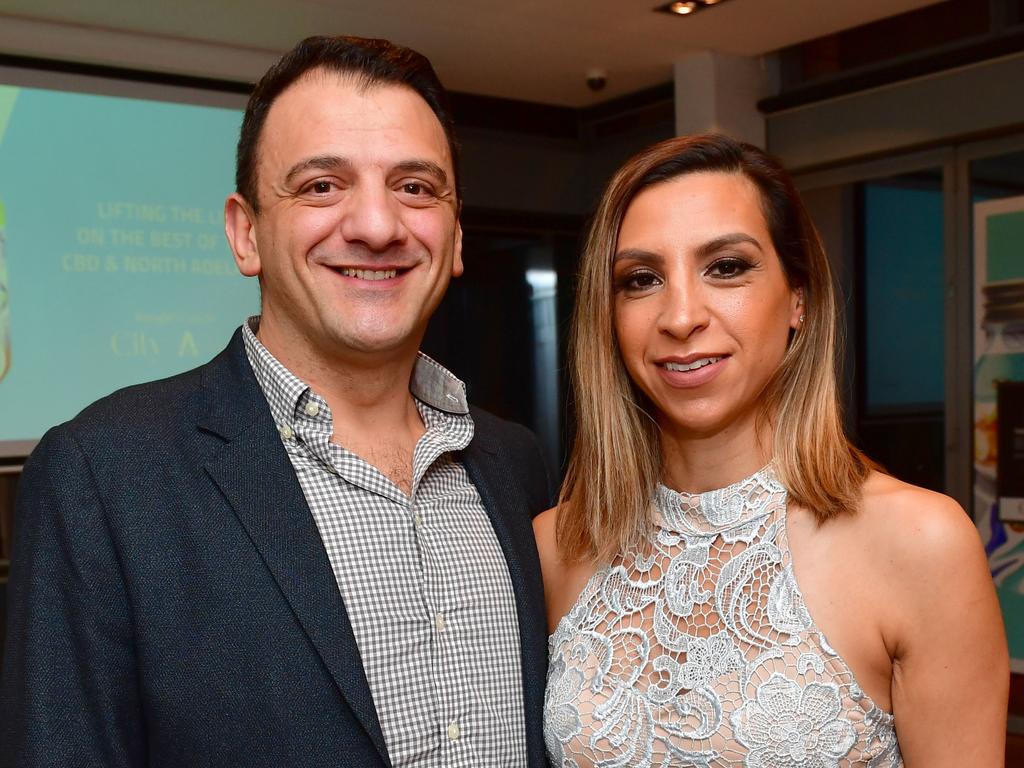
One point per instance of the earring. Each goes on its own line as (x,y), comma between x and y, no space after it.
(802,318)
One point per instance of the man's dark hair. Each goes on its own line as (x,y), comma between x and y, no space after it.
(370,61)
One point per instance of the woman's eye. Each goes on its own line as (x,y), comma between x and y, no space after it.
(638,281)
(644,280)
(728,268)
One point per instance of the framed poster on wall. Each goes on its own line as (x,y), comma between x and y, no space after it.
(999,404)
(114,267)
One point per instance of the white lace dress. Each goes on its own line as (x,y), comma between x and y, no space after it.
(701,652)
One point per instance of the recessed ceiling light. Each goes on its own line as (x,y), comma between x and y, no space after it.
(686,7)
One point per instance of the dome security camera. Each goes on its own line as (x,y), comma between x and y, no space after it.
(597,79)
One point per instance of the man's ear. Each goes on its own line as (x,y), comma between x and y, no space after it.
(457,267)
(240,228)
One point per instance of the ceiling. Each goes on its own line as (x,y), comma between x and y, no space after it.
(535,50)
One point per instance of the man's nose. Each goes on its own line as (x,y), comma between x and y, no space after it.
(685,308)
(372,217)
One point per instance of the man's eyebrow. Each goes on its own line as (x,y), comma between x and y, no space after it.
(338,163)
(423,166)
(319,163)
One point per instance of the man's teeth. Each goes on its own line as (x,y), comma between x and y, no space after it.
(692,366)
(369,274)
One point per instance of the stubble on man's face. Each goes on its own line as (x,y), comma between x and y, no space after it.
(357,232)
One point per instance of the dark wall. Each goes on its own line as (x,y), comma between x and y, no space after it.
(532,176)
(518,156)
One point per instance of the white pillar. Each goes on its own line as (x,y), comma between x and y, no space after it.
(719,92)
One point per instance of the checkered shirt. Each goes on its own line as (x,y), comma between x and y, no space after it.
(422,576)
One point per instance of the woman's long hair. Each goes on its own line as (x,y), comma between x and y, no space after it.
(615,463)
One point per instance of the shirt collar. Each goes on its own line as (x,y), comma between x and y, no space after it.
(431,383)
(436,386)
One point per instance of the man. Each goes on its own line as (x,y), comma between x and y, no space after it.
(310,551)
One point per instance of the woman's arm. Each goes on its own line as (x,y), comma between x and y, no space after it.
(950,667)
(563,581)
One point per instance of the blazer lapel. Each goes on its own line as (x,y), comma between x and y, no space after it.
(508,509)
(256,477)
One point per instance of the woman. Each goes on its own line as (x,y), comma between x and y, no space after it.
(716,525)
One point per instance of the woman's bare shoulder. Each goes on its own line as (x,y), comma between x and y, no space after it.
(921,541)
(544,526)
(563,580)
(915,520)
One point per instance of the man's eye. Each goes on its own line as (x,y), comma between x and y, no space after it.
(415,188)
(319,187)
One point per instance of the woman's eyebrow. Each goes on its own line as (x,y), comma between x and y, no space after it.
(724,241)
(636,254)
(703,250)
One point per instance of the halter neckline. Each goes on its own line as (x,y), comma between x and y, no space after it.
(718,510)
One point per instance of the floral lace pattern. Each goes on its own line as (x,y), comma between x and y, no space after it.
(699,651)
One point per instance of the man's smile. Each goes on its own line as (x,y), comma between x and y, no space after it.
(369,274)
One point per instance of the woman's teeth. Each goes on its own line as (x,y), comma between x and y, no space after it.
(691,366)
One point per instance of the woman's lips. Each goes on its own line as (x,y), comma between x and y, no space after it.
(691,372)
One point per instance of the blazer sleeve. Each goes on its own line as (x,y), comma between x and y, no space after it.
(70,689)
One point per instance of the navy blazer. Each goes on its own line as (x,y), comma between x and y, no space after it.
(171,602)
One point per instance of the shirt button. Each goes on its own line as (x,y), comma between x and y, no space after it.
(439,623)
(417,520)
(312,409)
(453,731)
(286,432)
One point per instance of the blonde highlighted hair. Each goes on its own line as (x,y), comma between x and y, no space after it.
(615,463)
